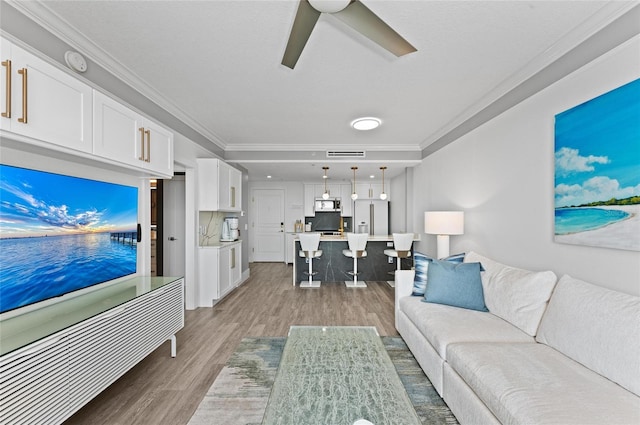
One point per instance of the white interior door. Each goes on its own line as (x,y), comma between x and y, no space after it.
(173,255)
(267,224)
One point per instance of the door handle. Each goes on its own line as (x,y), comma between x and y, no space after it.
(148,133)
(23,72)
(141,130)
(7,99)
(171,238)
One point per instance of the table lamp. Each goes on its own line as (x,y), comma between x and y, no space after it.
(443,224)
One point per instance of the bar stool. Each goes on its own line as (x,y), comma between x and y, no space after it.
(309,243)
(357,244)
(401,249)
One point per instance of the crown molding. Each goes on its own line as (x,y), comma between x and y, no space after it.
(38,12)
(244,147)
(598,21)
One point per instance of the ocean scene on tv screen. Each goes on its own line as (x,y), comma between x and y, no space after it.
(59,234)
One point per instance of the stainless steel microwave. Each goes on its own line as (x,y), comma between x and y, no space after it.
(326,205)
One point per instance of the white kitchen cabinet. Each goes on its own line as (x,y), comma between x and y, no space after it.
(309,199)
(371,190)
(219,271)
(123,135)
(333,189)
(219,186)
(235,189)
(289,248)
(347,202)
(235,264)
(43,102)
(313,191)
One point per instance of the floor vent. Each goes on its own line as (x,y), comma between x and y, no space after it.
(346,154)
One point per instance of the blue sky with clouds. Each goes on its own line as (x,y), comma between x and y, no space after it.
(34,203)
(597,150)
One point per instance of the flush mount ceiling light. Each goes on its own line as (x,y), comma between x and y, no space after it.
(325,195)
(365,123)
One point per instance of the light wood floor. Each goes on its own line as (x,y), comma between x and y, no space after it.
(165,390)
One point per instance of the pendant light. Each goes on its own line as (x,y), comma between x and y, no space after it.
(383,195)
(325,195)
(354,195)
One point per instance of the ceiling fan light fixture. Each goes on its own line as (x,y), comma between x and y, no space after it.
(366,123)
(329,6)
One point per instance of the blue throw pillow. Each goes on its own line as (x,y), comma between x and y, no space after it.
(455,284)
(421,265)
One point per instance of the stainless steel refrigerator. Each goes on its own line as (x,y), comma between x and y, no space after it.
(372,216)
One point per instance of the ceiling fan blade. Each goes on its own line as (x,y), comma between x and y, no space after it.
(367,23)
(305,20)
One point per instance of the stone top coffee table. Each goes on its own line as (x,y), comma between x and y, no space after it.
(337,375)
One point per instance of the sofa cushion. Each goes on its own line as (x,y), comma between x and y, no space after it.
(457,285)
(597,327)
(533,383)
(442,325)
(518,296)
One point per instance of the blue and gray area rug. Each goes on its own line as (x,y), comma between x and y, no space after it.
(240,393)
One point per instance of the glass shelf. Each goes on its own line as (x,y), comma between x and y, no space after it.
(24,329)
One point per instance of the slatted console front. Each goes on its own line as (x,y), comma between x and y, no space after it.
(55,359)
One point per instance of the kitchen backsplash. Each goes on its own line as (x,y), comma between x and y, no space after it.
(324,222)
(210,227)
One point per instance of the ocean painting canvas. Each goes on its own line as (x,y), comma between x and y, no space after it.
(60,233)
(597,171)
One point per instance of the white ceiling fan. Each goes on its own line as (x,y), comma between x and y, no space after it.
(351,12)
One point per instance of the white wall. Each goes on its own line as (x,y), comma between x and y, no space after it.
(502,176)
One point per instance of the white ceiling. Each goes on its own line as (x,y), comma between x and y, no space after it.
(216,66)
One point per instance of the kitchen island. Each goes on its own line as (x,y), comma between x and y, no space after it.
(333,266)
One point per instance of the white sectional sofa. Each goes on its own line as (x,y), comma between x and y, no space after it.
(547,352)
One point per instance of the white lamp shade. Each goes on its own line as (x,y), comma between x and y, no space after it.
(444,222)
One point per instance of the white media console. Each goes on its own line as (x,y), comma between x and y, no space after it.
(55,359)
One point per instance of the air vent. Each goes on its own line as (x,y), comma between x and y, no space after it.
(346,154)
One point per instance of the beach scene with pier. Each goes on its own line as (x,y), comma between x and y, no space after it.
(60,233)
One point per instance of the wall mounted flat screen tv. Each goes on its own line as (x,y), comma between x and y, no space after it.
(60,234)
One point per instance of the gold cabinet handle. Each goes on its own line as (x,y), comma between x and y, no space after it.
(233,258)
(148,133)
(23,72)
(141,130)
(7,99)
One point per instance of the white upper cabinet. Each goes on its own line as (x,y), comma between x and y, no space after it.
(219,186)
(309,199)
(123,135)
(346,203)
(235,189)
(313,191)
(371,190)
(51,108)
(42,102)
